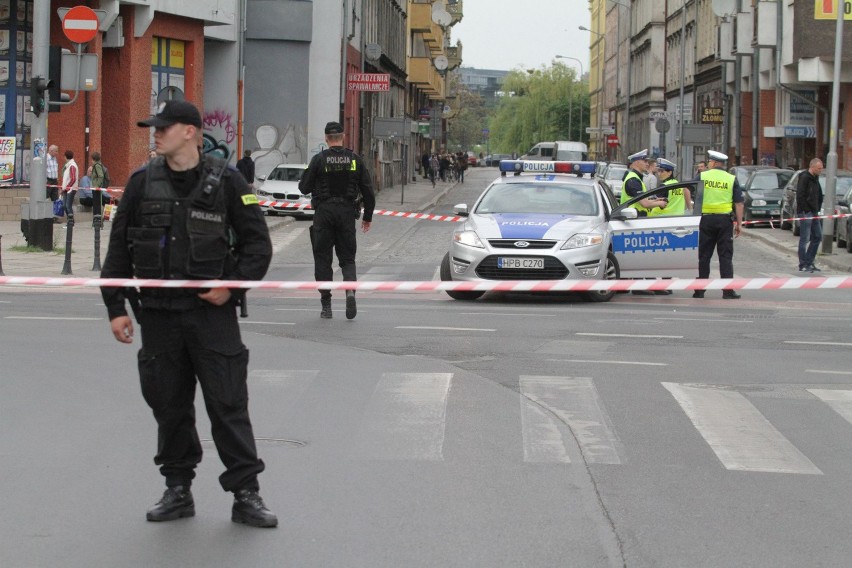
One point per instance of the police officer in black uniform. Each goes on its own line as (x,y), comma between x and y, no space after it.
(337,179)
(189,216)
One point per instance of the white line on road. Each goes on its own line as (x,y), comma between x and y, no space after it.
(703,319)
(50,318)
(609,362)
(839,400)
(741,437)
(406,417)
(819,343)
(631,335)
(828,372)
(574,401)
(442,328)
(267,322)
(506,314)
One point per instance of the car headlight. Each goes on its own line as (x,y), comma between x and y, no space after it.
(759,202)
(581,240)
(467,238)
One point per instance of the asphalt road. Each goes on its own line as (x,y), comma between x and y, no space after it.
(511,431)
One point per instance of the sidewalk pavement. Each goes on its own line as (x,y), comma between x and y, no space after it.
(416,196)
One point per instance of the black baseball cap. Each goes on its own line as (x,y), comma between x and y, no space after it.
(172,112)
(333,128)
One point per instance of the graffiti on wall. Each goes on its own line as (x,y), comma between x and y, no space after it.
(220,132)
(277,145)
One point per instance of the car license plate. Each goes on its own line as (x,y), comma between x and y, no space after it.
(517,262)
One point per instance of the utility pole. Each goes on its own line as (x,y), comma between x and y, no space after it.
(831,161)
(37,215)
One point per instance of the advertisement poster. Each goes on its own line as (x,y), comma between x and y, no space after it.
(7,159)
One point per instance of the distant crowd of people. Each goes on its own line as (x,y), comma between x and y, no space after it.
(444,166)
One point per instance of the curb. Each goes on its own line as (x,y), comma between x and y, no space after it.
(824,259)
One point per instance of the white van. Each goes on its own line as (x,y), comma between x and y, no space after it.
(570,151)
(541,151)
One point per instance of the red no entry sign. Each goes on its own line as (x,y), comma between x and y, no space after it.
(80,24)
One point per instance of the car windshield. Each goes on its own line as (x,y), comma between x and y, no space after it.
(843,184)
(616,173)
(286,174)
(770,180)
(559,199)
(570,156)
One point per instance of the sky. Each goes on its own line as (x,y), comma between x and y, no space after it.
(507,34)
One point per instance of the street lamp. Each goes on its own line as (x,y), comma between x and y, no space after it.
(602,150)
(571,97)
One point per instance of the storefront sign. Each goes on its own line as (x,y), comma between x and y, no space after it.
(368,82)
(712,115)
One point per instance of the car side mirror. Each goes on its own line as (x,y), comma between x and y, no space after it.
(625,214)
(461,210)
(261,178)
(843,202)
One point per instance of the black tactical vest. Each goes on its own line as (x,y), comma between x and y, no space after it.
(340,170)
(181,238)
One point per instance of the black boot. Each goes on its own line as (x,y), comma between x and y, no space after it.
(351,308)
(698,294)
(326,308)
(249,509)
(176,503)
(730,295)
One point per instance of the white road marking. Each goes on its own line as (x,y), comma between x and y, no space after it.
(506,314)
(406,417)
(839,400)
(609,362)
(741,437)
(281,239)
(442,328)
(267,322)
(828,372)
(50,318)
(703,319)
(547,401)
(437,274)
(631,335)
(819,343)
(290,382)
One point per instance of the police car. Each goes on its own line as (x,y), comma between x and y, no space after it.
(540,221)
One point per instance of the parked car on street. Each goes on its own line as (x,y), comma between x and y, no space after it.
(788,199)
(613,176)
(472,159)
(762,191)
(843,226)
(546,223)
(493,160)
(742,172)
(281,186)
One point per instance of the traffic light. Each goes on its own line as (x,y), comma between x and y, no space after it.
(38,87)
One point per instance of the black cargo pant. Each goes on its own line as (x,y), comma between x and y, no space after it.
(334,228)
(716,232)
(179,347)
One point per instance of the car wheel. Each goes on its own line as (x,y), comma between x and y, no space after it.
(446,276)
(611,272)
(849,237)
(785,224)
(841,242)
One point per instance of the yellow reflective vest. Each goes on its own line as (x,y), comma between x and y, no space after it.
(624,195)
(718,191)
(677,201)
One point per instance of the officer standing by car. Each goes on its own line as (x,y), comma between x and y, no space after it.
(680,199)
(189,216)
(634,186)
(722,196)
(336,178)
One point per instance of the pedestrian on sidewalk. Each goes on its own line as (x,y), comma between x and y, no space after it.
(190,335)
(808,203)
(52,169)
(425,159)
(433,168)
(70,182)
(335,178)
(246,167)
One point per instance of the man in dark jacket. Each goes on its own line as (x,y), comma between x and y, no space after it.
(245,165)
(808,204)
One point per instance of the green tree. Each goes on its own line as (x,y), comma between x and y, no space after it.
(537,106)
(468,117)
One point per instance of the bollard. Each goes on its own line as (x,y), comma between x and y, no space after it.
(1,256)
(97,224)
(66,268)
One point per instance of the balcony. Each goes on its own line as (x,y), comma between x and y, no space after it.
(454,55)
(422,73)
(456,10)
(420,20)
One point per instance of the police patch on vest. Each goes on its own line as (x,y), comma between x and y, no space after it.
(249,199)
(206,216)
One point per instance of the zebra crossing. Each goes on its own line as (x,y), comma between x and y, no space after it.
(563,419)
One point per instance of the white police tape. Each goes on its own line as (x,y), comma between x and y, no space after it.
(384,212)
(792,283)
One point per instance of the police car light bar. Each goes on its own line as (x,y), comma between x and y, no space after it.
(554,167)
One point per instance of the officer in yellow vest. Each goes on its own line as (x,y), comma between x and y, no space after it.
(680,199)
(722,197)
(634,186)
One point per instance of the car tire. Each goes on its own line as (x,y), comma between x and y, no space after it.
(841,242)
(849,237)
(446,276)
(611,272)
(785,224)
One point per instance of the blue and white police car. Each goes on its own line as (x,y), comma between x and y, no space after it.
(540,221)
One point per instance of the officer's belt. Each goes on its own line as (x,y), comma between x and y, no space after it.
(179,300)
(337,199)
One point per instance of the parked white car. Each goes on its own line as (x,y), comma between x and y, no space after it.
(281,187)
